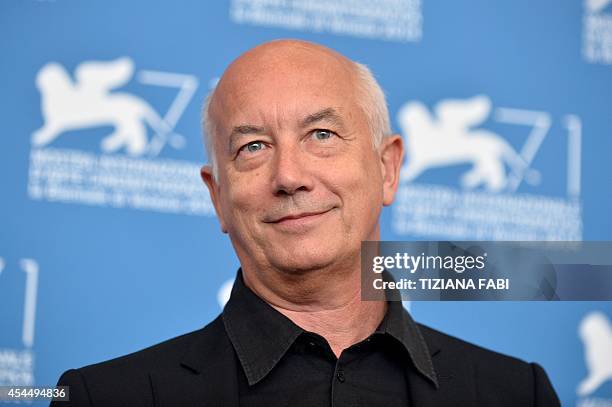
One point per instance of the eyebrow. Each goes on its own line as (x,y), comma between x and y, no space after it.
(328,114)
(244,130)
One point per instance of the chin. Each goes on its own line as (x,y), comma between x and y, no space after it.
(301,260)
(303,263)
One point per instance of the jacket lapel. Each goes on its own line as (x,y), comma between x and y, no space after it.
(205,377)
(456,385)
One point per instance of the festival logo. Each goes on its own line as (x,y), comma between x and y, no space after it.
(481,199)
(453,137)
(90,102)
(127,172)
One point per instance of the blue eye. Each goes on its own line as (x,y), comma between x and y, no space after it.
(322,134)
(253,146)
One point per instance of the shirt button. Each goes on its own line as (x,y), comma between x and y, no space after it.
(340,376)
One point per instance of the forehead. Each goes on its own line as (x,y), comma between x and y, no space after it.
(284,84)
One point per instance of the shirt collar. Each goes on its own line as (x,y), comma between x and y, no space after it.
(399,324)
(261,335)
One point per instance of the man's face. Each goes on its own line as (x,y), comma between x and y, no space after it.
(300,184)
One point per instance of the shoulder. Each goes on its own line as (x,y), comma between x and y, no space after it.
(161,355)
(496,376)
(438,341)
(131,377)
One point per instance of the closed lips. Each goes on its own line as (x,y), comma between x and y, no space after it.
(298,216)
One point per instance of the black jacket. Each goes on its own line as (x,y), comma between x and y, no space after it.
(200,369)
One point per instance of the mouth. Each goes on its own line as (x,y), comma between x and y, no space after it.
(300,216)
(297,223)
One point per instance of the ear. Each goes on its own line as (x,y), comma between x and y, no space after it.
(213,189)
(391,156)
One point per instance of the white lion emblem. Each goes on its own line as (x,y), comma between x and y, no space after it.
(88,102)
(450,138)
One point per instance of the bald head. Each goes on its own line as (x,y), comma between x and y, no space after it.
(276,69)
(283,57)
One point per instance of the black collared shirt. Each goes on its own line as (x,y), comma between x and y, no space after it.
(281,364)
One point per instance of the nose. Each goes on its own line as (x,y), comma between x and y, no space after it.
(290,171)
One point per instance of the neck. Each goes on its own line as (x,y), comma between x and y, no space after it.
(327,302)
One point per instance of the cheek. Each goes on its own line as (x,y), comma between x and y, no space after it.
(367,176)
(359,186)
(243,199)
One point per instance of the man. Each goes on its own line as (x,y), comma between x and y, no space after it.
(302,162)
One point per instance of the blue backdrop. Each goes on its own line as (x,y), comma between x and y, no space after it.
(109,240)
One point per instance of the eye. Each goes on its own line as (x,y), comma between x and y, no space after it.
(321,134)
(252,147)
